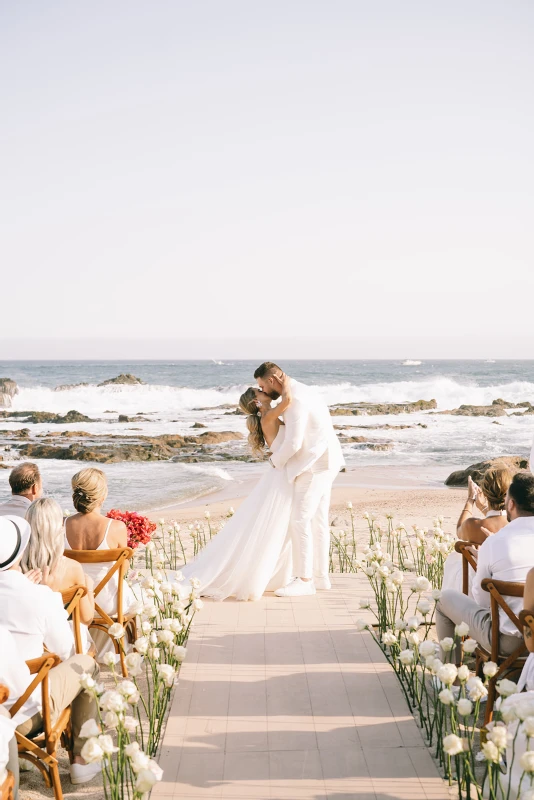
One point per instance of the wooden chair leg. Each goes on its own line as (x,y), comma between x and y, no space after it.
(56,781)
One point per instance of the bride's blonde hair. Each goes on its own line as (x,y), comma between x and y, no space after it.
(248,403)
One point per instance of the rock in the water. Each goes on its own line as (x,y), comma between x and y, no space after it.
(123,378)
(123,418)
(66,386)
(508,404)
(198,425)
(8,390)
(476,411)
(363,409)
(477,471)
(37,417)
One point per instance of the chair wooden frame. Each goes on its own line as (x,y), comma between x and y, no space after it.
(103,621)
(468,560)
(498,590)
(41,748)
(71,601)
(8,785)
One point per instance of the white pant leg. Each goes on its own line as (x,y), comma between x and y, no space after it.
(311,498)
(321,525)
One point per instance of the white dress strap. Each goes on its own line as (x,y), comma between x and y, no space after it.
(104,543)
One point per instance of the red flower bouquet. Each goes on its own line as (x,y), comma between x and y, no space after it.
(140,529)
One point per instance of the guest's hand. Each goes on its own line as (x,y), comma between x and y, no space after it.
(34,575)
(472,490)
(473,551)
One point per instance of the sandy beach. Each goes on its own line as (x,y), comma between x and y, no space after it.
(414,495)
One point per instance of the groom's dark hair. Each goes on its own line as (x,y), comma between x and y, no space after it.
(266,369)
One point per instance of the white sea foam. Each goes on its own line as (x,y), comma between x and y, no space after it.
(172,400)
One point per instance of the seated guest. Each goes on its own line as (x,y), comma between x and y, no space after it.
(35,617)
(489,499)
(89,529)
(15,676)
(507,555)
(26,486)
(45,553)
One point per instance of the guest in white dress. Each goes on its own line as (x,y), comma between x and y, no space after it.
(489,499)
(89,529)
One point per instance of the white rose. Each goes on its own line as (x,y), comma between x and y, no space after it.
(165,637)
(528,726)
(469,646)
(463,673)
(413,638)
(421,584)
(413,623)
(423,606)
(465,707)
(475,689)
(86,681)
(397,577)
(446,697)
(491,752)
(490,669)
(116,630)
(527,761)
(106,743)
(506,687)
(429,661)
(111,720)
(145,781)
(91,751)
(499,736)
(112,701)
(361,625)
(139,761)
(130,724)
(447,644)
(406,657)
(389,638)
(176,626)
(131,748)
(90,728)
(134,664)
(154,654)
(453,745)
(427,648)
(436,594)
(349,505)
(109,660)
(167,673)
(141,645)
(179,652)
(448,674)
(462,629)
(400,625)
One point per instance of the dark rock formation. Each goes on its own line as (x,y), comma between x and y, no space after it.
(8,390)
(123,418)
(371,409)
(477,471)
(476,411)
(507,404)
(126,379)
(198,425)
(66,386)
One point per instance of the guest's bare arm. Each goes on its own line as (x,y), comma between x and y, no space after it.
(528,603)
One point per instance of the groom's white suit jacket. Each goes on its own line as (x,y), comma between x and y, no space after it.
(310,442)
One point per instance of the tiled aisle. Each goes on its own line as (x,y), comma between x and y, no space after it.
(283,699)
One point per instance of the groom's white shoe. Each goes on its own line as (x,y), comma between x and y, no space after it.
(323,584)
(296,588)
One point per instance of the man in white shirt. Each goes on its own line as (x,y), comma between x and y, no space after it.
(36,618)
(15,675)
(26,486)
(311,455)
(506,556)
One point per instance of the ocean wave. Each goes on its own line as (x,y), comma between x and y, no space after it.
(171,400)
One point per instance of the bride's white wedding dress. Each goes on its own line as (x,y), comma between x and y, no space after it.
(252,553)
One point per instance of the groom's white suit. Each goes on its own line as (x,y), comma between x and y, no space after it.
(312,456)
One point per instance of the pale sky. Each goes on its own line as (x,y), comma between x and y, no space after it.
(343,176)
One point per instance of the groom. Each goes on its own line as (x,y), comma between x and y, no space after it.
(312,456)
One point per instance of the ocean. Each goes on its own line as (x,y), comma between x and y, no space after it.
(175,391)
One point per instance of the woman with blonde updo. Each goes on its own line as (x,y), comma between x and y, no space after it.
(252,554)
(89,529)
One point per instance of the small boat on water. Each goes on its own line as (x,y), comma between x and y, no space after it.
(409,363)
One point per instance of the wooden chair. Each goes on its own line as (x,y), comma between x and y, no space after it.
(498,591)
(120,557)
(40,748)
(7,787)
(468,560)
(71,601)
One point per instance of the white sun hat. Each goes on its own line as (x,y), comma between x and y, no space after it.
(14,537)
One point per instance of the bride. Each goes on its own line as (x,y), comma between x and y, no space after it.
(252,553)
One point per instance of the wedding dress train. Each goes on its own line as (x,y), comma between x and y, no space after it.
(252,553)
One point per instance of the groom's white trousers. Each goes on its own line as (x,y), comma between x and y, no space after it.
(309,526)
